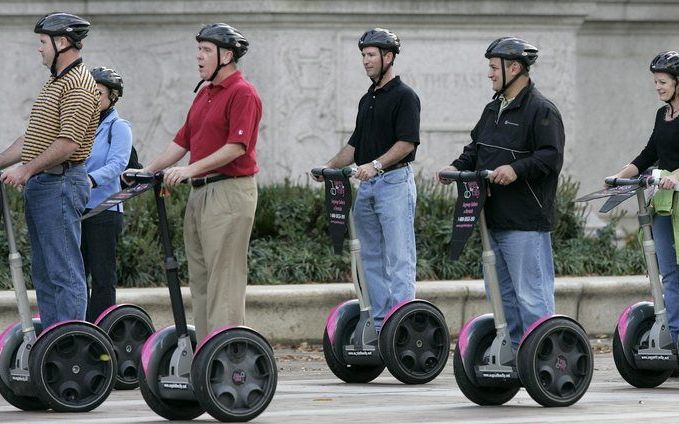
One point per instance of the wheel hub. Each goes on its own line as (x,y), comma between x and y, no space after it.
(128,348)
(239,377)
(561,363)
(75,369)
(419,343)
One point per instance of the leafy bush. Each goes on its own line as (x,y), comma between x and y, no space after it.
(289,241)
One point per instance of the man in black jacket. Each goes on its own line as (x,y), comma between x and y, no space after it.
(520,137)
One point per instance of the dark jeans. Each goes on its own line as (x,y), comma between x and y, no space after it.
(99,241)
(53,207)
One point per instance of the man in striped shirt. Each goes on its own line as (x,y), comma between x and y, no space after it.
(52,152)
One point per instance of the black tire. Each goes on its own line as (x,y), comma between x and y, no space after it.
(172,409)
(14,341)
(25,403)
(415,343)
(556,363)
(73,367)
(643,379)
(128,327)
(343,371)
(234,375)
(480,395)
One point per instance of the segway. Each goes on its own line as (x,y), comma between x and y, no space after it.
(68,367)
(554,361)
(414,342)
(231,374)
(128,326)
(643,351)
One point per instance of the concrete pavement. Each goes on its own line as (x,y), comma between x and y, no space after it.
(308,393)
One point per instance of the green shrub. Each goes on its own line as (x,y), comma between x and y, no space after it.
(289,241)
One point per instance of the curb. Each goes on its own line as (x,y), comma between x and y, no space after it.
(297,313)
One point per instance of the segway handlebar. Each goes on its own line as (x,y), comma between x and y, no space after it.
(143,177)
(347,171)
(644,181)
(465,175)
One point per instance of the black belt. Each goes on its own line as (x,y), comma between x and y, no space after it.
(62,167)
(199,182)
(397,166)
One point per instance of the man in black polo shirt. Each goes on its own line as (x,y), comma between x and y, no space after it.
(383,144)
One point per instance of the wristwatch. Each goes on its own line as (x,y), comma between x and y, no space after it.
(378,166)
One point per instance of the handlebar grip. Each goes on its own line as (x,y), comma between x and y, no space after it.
(465,175)
(333,172)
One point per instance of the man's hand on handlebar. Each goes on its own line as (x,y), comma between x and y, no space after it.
(437,176)
(669,182)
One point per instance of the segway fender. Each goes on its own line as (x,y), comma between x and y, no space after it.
(402,304)
(629,322)
(62,323)
(471,335)
(153,350)
(339,317)
(110,309)
(10,340)
(543,320)
(224,329)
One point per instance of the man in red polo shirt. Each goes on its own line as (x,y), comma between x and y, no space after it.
(220,134)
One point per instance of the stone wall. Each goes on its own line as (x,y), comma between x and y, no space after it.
(593,63)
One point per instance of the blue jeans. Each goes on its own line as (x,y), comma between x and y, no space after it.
(525,270)
(54,205)
(667,262)
(384,215)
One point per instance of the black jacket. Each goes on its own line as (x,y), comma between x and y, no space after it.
(529,136)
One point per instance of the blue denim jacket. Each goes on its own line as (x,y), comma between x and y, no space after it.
(108,161)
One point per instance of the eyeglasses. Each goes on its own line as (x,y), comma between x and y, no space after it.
(100,92)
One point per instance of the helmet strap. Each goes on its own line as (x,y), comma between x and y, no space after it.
(383,69)
(53,67)
(220,65)
(674,95)
(505,84)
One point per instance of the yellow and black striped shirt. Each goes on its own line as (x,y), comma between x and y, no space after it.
(67,107)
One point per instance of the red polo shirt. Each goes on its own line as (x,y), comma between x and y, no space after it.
(228,112)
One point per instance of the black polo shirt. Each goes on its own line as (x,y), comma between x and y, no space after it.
(385,116)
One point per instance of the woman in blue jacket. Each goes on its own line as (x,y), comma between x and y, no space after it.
(109,157)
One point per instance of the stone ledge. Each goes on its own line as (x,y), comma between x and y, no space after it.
(296,313)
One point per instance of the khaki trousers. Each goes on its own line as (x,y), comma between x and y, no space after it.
(217,227)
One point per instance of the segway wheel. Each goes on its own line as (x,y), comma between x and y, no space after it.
(234,375)
(73,367)
(174,409)
(25,403)
(346,372)
(556,363)
(480,395)
(643,379)
(12,343)
(415,343)
(128,327)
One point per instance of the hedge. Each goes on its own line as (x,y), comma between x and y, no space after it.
(289,241)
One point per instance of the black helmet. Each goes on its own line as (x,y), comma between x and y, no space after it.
(110,78)
(63,24)
(380,38)
(667,62)
(513,48)
(226,36)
